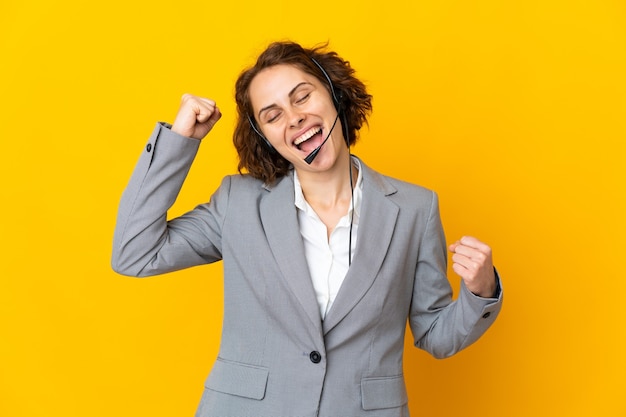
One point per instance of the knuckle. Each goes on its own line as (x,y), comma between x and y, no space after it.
(187,97)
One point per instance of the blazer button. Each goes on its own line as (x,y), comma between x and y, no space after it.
(486,315)
(149,147)
(315,357)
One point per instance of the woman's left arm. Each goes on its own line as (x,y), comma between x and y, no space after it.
(440,325)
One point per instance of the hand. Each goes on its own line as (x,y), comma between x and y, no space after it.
(472,261)
(196,117)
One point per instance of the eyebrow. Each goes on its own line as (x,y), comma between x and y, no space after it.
(291,93)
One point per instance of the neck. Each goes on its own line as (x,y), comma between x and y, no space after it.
(329,188)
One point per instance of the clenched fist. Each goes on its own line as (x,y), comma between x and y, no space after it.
(196,116)
(472,261)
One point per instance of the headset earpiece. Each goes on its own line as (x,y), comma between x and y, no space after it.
(339,100)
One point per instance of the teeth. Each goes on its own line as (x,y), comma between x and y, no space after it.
(307,135)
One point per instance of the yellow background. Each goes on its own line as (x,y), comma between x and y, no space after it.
(514,111)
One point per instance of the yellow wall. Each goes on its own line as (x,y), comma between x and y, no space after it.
(514,111)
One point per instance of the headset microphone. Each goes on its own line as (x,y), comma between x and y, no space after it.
(310,157)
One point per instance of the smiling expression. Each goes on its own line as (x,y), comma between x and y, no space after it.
(295,112)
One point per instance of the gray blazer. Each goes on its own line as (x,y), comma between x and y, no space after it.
(277,357)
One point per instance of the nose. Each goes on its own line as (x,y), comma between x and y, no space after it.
(296,118)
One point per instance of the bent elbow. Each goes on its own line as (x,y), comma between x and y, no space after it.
(438,352)
(123,266)
(122,269)
(439,349)
(442,354)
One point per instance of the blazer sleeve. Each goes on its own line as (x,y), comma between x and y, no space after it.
(145,243)
(439,325)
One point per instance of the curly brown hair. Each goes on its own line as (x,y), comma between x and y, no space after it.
(255,156)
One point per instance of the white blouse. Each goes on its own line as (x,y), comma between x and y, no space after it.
(327,258)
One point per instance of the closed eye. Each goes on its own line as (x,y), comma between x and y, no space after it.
(303,98)
(273,116)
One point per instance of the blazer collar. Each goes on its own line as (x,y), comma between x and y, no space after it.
(280,221)
(376,227)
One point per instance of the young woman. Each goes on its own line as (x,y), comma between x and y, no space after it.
(325,260)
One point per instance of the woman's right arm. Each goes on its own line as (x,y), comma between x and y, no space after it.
(144,242)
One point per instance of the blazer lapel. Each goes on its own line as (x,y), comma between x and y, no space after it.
(376,227)
(280,220)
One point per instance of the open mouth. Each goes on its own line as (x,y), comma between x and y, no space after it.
(309,139)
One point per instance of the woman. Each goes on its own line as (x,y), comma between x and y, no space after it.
(325,260)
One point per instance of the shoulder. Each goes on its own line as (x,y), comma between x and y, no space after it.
(241,184)
(398,190)
(243,180)
(245,187)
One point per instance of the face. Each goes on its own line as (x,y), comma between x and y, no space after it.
(295,112)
